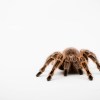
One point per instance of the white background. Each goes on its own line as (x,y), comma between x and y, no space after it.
(30,30)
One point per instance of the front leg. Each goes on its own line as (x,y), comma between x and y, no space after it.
(85,66)
(92,56)
(44,66)
(83,63)
(52,57)
(66,67)
(56,65)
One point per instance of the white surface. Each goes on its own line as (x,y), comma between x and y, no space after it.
(30,30)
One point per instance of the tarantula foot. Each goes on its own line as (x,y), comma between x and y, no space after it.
(48,78)
(90,78)
(38,74)
(99,67)
(80,72)
(65,73)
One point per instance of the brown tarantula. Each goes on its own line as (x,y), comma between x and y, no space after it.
(70,60)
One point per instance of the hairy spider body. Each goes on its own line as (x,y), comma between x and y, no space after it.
(71,54)
(70,61)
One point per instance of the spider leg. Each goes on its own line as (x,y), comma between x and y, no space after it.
(56,65)
(66,67)
(54,56)
(92,56)
(44,67)
(85,66)
(83,63)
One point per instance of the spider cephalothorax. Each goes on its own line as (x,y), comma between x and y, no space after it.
(70,61)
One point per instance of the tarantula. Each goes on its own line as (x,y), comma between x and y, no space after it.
(70,60)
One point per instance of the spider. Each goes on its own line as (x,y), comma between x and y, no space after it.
(70,60)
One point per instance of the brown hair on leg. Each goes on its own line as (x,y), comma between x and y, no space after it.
(66,67)
(56,65)
(44,67)
(92,56)
(85,66)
